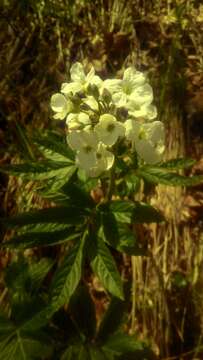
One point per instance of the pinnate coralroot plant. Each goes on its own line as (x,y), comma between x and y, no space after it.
(90,174)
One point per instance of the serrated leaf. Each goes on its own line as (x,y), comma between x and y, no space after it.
(134,212)
(40,239)
(119,235)
(122,343)
(40,170)
(59,181)
(82,310)
(145,213)
(73,352)
(77,196)
(112,319)
(59,214)
(19,346)
(104,266)
(177,164)
(96,353)
(38,271)
(122,210)
(67,277)
(6,326)
(161,176)
(53,148)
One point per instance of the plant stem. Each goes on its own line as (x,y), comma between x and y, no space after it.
(111,184)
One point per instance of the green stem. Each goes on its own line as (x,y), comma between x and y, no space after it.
(111,184)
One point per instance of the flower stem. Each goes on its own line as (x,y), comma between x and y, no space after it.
(111,184)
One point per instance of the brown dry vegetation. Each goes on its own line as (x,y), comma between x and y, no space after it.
(39,40)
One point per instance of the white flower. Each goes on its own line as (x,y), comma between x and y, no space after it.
(112,85)
(109,129)
(142,95)
(91,102)
(147,139)
(78,121)
(121,90)
(148,112)
(61,106)
(80,81)
(86,143)
(105,161)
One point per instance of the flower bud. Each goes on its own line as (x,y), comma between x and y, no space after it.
(106,96)
(92,90)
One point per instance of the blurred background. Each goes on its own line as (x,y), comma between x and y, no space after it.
(39,40)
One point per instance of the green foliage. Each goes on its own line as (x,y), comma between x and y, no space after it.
(160,175)
(105,268)
(67,276)
(49,299)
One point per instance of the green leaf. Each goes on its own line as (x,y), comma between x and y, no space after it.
(122,343)
(134,212)
(122,210)
(74,352)
(77,196)
(68,275)
(38,271)
(39,171)
(53,148)
(82,310)
(20,346)
(157,175)
(40,239)
(128,241)
(96,353)
(112,319)
(105,268)
(6,326)
(177,164)
(119,235)
(70,353)
(62,215)
(145,213)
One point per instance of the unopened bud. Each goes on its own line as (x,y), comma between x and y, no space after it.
(106,96)
(92,90)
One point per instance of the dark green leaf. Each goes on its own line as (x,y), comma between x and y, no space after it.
(97,354)
(134,212)
(105,268)
(19,346)
(122,343)
(112,319)
(63,215)
(53,148)
(119,235)
(122,210)
(82,310)
(77,196)
(68,275)
(145,213)
(176,164)
(34,239)
(40,170)
(74,352)
(161,176)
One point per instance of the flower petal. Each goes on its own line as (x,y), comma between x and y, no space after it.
(137,78)
(73,87)
(77,73)
(148,152)
(58,102)
(112,85)
(109,129)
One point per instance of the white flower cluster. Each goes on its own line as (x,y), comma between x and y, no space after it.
(98,113)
